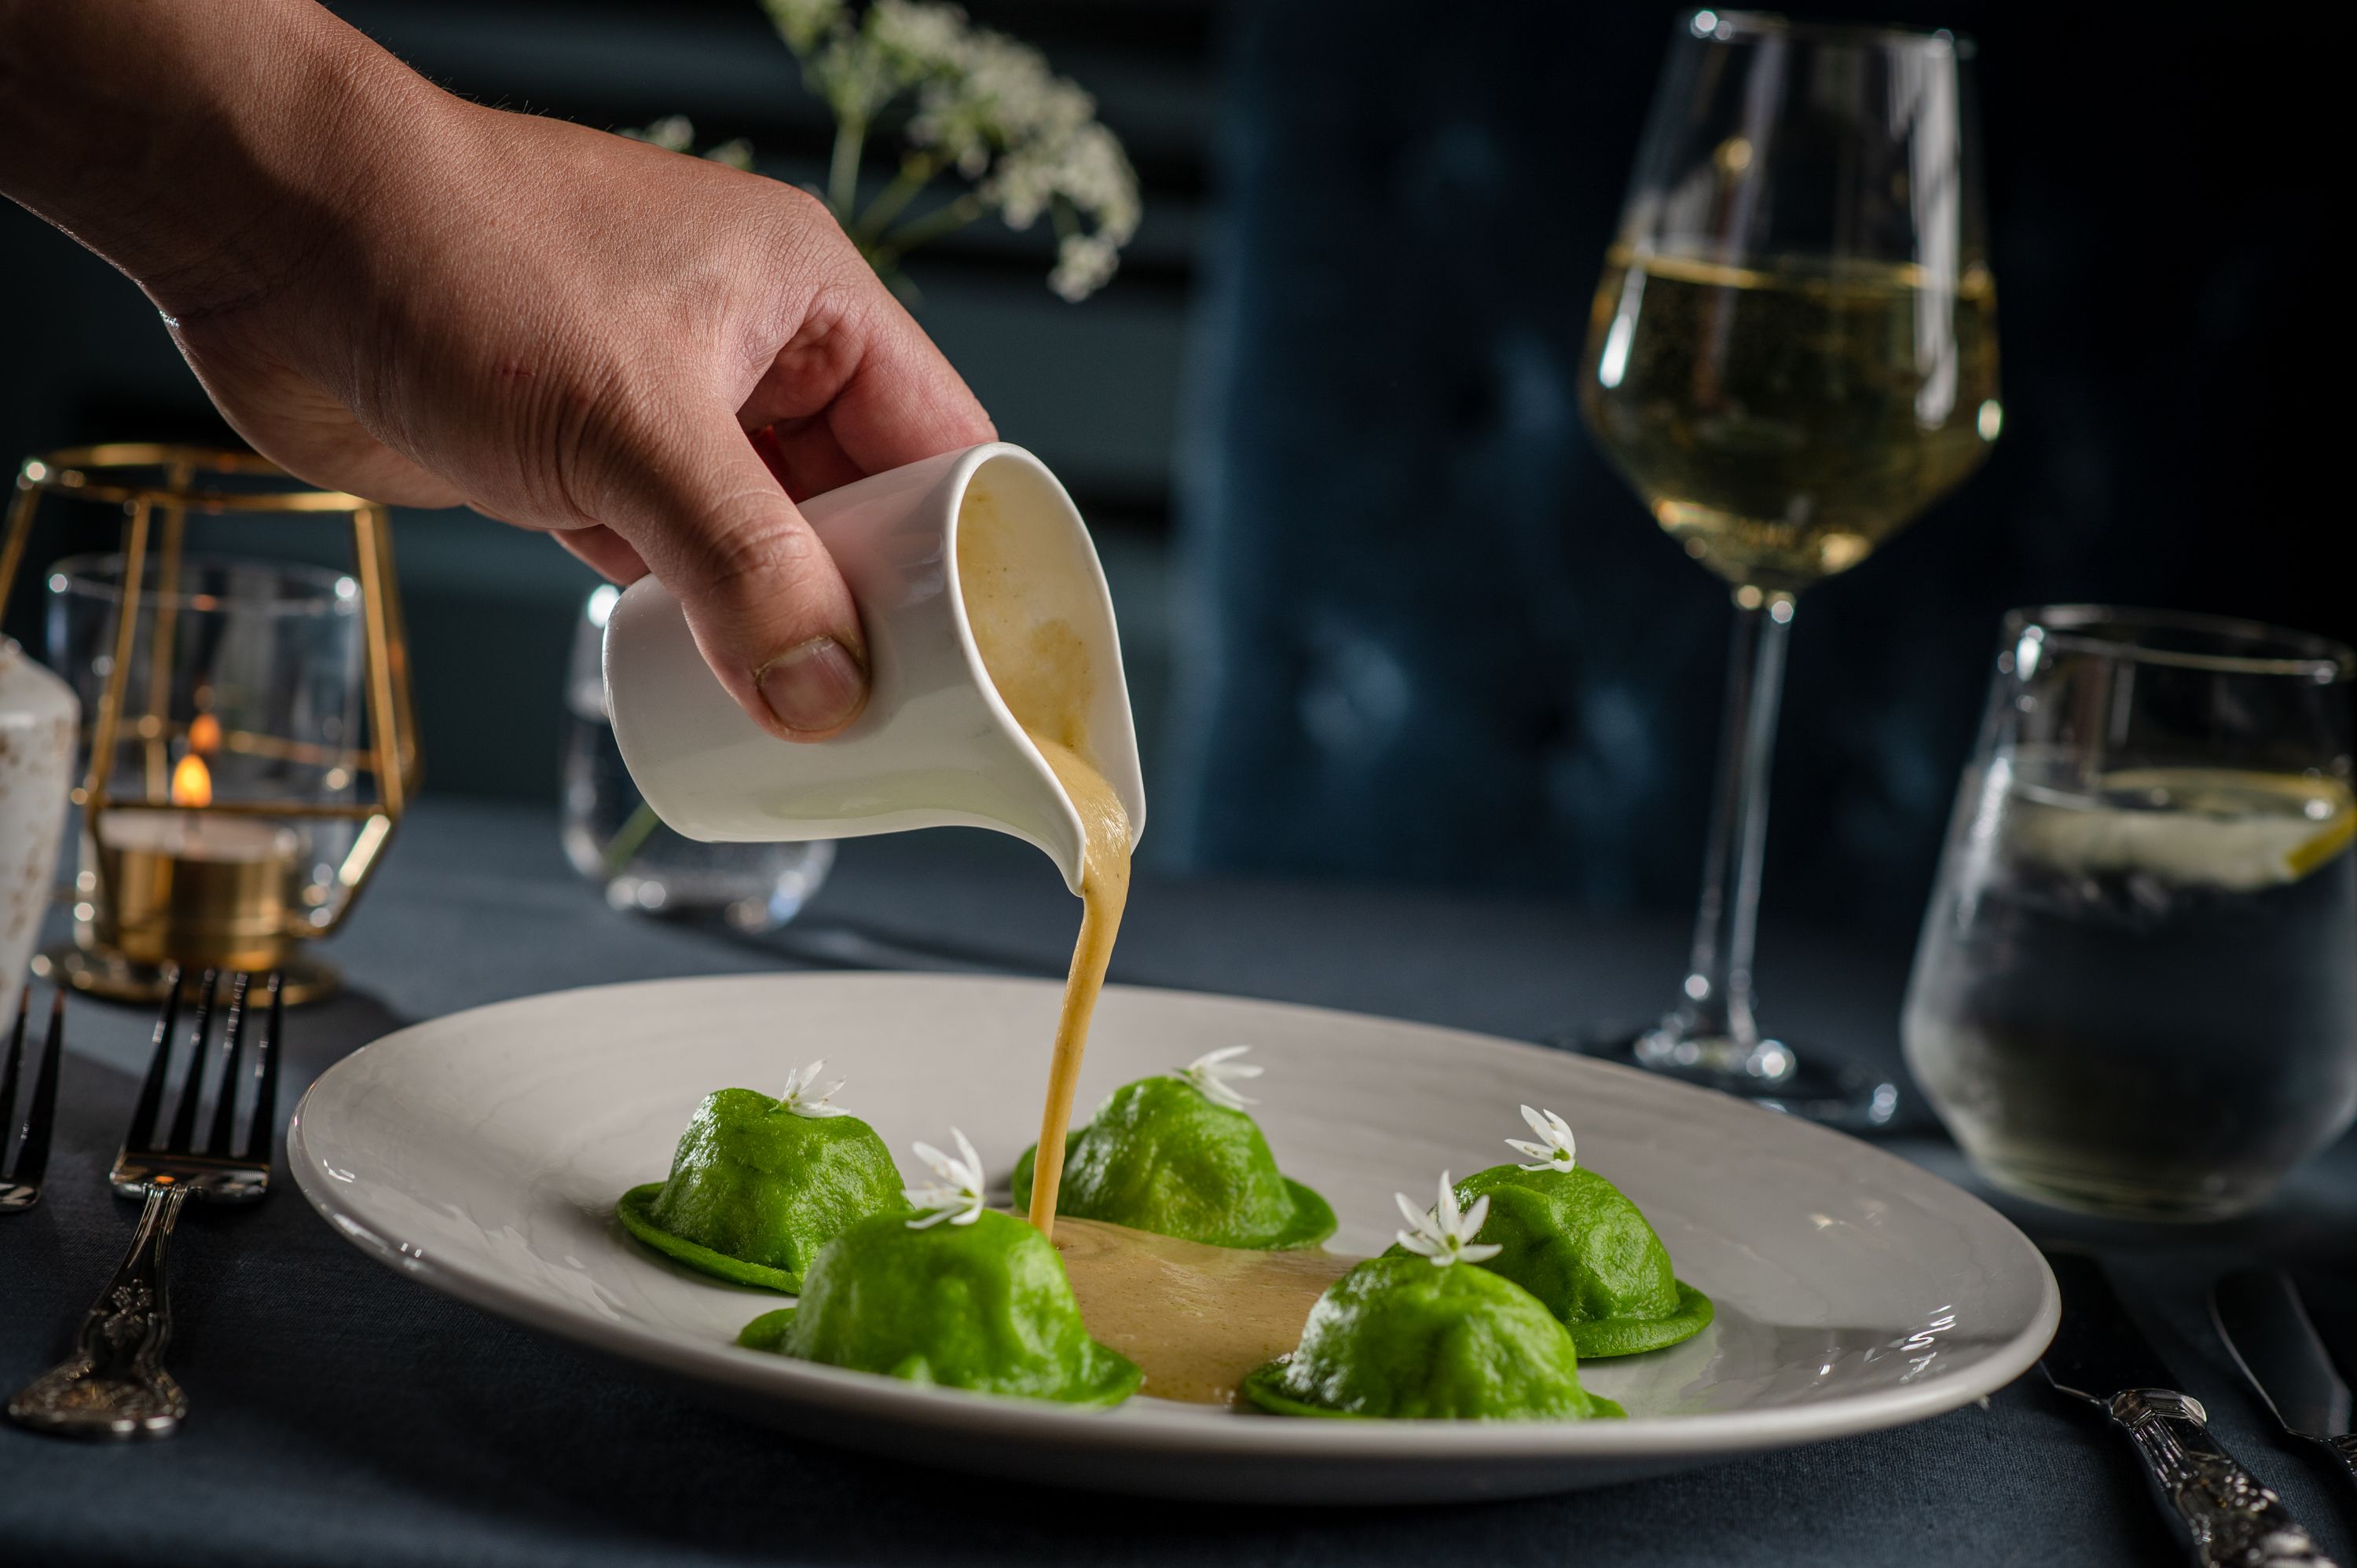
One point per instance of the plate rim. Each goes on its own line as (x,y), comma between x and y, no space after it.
(1138,1428)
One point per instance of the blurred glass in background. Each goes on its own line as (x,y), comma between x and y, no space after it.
(613,837)
(2135,992)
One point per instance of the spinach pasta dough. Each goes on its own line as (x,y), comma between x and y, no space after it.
(962,1298)
(1578,1243)
(1177,1155)
(1422,1333)
(758,1185)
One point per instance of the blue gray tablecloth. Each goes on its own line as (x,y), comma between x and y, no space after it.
(344,1415)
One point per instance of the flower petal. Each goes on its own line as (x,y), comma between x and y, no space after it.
(1470,1226)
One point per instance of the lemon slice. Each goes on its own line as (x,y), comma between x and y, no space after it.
(2306,857)
(2221,828)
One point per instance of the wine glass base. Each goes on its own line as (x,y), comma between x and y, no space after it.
(1849,1096)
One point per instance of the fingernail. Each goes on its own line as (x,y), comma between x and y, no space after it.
(813,687)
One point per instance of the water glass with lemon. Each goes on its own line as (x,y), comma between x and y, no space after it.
(2136,990)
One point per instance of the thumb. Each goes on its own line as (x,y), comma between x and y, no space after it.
(769,611)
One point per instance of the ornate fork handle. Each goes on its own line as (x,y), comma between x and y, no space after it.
(114,1384)
(2229,1517)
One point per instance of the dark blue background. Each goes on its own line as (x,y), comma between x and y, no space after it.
(1325,425)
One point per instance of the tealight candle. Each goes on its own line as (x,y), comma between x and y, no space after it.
(192,887)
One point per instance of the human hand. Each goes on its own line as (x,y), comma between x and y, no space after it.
(428,302)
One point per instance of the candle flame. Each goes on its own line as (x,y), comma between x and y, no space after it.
(204,735)
(192,782)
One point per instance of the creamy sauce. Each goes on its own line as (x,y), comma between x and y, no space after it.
(1041,669)
(1194,1318)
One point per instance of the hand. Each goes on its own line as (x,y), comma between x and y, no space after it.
(426,301)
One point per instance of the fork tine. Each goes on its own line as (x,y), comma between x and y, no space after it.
(9,1077)
(192,1087)
(33,1156)
(142,1134)
(264,1126)
(217,1141)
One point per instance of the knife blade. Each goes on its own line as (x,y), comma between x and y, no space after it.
(2267,1330)
(2227,1517)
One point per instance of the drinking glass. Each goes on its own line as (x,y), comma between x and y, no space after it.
(614,838)
(2136,989)
(1792,351)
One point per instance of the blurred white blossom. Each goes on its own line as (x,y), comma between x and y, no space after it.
(978,104)
(676,134)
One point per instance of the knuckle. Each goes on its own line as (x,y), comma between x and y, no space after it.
(749,555)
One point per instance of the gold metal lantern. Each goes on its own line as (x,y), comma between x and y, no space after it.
(248,742)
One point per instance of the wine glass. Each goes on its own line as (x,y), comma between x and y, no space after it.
(1792,351)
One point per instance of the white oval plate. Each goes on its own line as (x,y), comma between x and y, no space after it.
(482,1153)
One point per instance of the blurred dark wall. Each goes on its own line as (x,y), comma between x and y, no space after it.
(1430,634)
(1092,388)
(2161,179)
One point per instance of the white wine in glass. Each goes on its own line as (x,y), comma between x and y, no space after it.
(1792,352)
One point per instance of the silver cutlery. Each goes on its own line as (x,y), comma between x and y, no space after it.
(2266,1327)
(2227,1517)
(114,1384)
(24,1145)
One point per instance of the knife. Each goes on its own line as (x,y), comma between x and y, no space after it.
(2260,1316)
(2227,1517)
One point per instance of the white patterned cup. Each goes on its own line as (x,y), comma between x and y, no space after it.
(39,719)
(936,745)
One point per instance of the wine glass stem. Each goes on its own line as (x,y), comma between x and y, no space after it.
(1716,1011)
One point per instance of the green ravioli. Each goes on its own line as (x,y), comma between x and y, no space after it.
(1571,1238)
(1161,1155)
(983,1305)
(757,1188)
(1400,1337)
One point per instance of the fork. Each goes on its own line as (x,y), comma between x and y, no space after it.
(20,1178)
(114,1384)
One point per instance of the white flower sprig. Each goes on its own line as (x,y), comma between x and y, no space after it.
(955,1194)
(1557,1151)
(979,105)
(1211,1072)
(805,1096)
(1446,1234)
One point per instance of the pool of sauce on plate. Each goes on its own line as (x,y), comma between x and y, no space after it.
(1194,1318)
(1041,669)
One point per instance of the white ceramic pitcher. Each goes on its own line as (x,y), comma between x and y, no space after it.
(936,745)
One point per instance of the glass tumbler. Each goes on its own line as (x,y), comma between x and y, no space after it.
(2136,990)
(613,837)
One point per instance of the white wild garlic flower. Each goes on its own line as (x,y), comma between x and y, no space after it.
(805,1096)
(1209,1074)
(955,1193)
(1557,1149)
(1446,1235)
